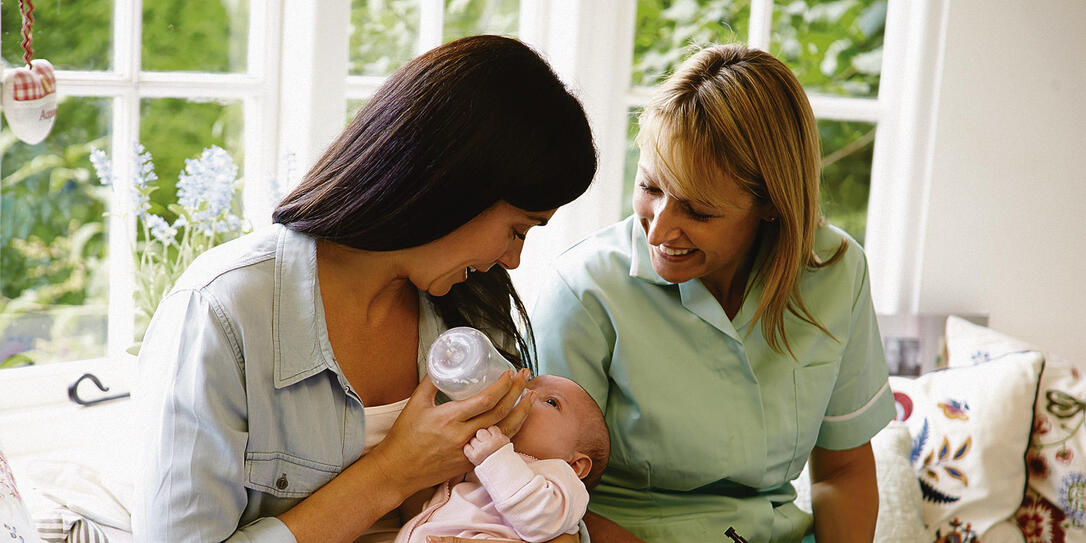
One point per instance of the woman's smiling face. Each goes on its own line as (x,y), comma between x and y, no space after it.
(692,240)
(495,236)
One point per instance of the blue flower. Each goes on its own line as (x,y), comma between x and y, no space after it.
(206,187)
(144,173)
(160,229)
(1072,497)
(102,166)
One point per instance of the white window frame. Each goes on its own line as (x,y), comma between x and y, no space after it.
(126,85)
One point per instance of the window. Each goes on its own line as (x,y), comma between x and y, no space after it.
(835,49)
(385,34)
(179,75)
(174,75)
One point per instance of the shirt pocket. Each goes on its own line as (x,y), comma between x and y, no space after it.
(814,385)
(286,476)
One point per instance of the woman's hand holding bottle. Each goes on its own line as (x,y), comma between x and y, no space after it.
(426,444)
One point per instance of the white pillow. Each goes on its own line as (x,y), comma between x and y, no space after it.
(970,429)
(15,521)
(1055,509)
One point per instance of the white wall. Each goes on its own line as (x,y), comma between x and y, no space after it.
(1006,223)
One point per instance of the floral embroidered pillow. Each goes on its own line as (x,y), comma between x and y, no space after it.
(15,522)
(970,428)
(1054,510)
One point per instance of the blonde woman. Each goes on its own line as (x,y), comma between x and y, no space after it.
(725,329)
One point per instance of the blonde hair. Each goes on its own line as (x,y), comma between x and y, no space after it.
(734,114)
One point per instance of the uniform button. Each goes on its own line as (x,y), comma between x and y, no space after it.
(282,483)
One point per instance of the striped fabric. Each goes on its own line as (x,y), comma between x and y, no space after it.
(65,526)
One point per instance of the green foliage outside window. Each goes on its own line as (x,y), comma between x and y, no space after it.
(668,30)
(53,239)
(833,46)
(384,35)
(55,38)
(471,17)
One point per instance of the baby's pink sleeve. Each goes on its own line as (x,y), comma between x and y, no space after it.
(540,501)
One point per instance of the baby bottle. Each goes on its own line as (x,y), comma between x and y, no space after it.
(463,361)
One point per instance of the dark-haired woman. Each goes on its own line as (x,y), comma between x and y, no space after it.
(283,378)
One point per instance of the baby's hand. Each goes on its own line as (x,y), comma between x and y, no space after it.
(485,442)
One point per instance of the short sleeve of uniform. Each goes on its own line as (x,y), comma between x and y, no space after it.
(573,337)
(862,402)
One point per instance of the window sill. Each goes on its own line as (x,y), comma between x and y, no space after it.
(37,387)
(39,422)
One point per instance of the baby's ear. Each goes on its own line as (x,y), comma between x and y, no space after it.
(581,464)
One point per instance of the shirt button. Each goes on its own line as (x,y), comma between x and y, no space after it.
(282,483)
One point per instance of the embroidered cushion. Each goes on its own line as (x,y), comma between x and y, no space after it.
(15,521)
(1054,510)
(970,427)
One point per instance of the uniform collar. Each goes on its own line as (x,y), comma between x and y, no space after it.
(640,261)
(300,334)
(695,297)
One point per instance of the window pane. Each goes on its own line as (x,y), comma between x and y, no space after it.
(834,46)
(56,38)
(846,173)
(195,35)
(470,17)
(665,28)
(384,35)
(53,276)
(633,153)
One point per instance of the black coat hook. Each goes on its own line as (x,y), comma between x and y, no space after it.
(73,392)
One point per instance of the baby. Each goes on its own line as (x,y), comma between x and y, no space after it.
(529,488)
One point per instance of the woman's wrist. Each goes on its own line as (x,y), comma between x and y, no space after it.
(350,503)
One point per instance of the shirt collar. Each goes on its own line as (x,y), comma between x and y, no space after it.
(695,297)
(300,334)
(640,261)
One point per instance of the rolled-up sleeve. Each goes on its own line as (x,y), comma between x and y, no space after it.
(192,395)
(862,402)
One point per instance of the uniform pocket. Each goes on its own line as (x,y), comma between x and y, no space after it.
(814,386)
(286,476)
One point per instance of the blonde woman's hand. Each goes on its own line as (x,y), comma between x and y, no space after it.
(426,444)
(564,538)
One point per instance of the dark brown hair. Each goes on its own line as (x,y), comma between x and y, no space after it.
(448,135)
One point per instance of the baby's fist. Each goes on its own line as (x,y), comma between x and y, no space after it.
(485,442)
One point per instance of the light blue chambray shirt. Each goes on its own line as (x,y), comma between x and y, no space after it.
(246,411)
(708,424)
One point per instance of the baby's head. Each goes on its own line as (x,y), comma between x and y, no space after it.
(565,423)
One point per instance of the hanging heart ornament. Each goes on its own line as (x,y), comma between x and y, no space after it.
(29,95)
(30,100)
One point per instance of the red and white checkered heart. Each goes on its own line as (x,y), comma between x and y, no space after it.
(30,100)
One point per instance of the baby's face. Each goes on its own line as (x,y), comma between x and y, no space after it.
(553,424)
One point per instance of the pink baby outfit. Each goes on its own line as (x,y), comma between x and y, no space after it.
(508,496)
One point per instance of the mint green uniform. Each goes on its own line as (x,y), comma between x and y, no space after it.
(708,424)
